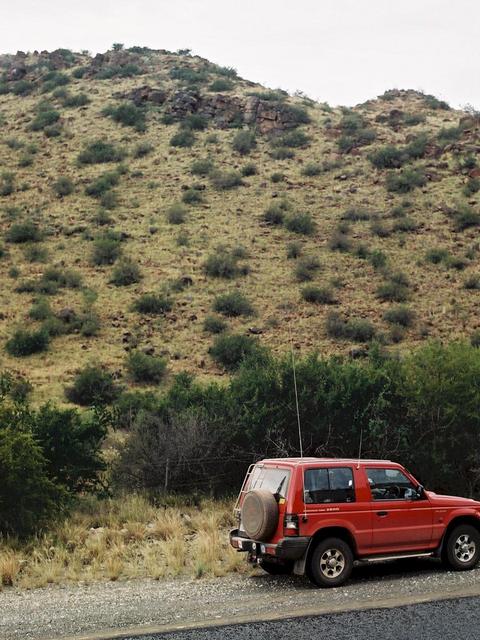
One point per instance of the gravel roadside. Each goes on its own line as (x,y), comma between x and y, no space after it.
(80,610)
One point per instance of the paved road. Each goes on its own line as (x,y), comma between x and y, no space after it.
(445,620)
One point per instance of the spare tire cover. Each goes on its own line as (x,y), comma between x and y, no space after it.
(259,514)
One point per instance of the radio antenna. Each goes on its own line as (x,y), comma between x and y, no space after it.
(296,395)
(360,449)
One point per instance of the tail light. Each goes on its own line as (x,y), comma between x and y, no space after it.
(290,524)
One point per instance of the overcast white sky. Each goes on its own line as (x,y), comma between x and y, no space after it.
(342,51)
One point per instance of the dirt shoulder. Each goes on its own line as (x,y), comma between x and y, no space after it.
(108,609)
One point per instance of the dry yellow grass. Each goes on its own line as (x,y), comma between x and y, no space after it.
(99,542)
(443,307)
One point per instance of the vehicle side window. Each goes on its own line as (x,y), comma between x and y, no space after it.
(329,485)
(390,484)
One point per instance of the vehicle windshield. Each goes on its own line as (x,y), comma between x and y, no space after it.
(270,478)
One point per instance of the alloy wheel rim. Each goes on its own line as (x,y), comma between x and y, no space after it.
(332,563)
(465,548)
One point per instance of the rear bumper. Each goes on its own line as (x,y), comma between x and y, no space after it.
(285,549)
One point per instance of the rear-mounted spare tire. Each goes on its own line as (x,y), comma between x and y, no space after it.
(259,514)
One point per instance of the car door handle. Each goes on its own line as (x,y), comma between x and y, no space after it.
(382,514)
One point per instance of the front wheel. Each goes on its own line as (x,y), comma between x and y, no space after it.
(331,563)
(462,550)
(277,568)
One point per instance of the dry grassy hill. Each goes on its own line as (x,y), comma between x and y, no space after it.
(323,229)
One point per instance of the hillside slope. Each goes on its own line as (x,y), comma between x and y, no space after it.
(352,229)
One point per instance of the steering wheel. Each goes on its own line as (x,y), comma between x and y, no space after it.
(394,491)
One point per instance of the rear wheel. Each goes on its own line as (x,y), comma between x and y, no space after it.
(462,549)
(277,568)
(331,563)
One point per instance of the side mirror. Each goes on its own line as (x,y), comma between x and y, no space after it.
(420,492)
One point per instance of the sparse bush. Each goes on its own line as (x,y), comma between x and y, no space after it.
(405,180)
(102,184)
(142,149)
(431,102)
(184,138)
(7,183)
(125,273)
(129,115)
(393,291)
(75,100)
(282,153)
(465,217)
(22,232)
(100,152)
(275,214)
(224,180)
(360,138)
(22,88)
(472,283)
(417,148)
(356,215)
(230,351)
(223,264)
(405,225)
(292,139)
(192,196)
(233,304)
(388,157)
(318,295)
(45,117)
(176,214)
(244,142)
(377,259)
(54,79)
(400,315)
(340,241)
(214,324)
(277,177)
(91,386)
(294,250)
(195,122)
(144,368)
(449,134)
(312,169)
(35,253)
(249,169)
(202,167)
(306,268)
(220,84)
(356,330)
(25,342)
(63,186)
(106,249)
(301,223)
(62,277)
(40,310)
(471,187)
(152,304)
(109,200)
(437,255)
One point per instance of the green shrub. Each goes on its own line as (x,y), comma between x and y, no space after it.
(152,304)
(388,157)
(128,115)
(176,214)
(393,291)
(109,200)
(292,139)
(202,167)
(405,225)
(91,386)
(312,169)
(233,304)
(22,232)
(125,71)
(417,148)
(282,153)
(224,180)
(35,253)
(275,214)
(102,184)
(62,277)
(40,310)
(465,217)
(214,324)
(106,249)
(192,196)
(125,273)
(142,149)
(249,169)
(220,84)
(294,250)
(25,343)
(475,339)
(195,122)
(54,79)
(277,177)
(7,183)
(184,138)
(436,255)
(306,268)
(318,295)
(472,283)
(301,223)
(400,315)
(224,264)
(356,215)
(377,259)
(75,100)
(340,241)
(406,180)
(243,142)
(22,88)
(144,368)
(434,103)
(361,138)
(449,134)
(100,152)
(471,187)
(45,118)
(63,186)
(230,351)
(356,330)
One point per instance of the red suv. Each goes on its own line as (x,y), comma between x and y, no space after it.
(319,515)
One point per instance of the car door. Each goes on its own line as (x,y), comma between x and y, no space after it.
(401,519)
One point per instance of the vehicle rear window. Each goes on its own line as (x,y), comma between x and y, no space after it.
(325,485)
(270,478)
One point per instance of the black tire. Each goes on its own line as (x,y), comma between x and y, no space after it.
(462,548)
(318,570)
(277,568)
(259,514)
